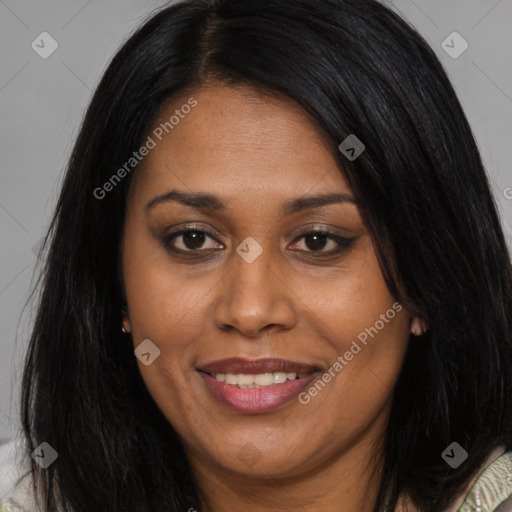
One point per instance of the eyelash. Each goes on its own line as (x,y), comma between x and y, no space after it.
(343,242)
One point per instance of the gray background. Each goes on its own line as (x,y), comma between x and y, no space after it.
(42,102)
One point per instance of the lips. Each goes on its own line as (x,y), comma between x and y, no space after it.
(256,366)
(263,398)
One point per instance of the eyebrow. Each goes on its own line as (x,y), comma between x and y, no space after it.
(203,201)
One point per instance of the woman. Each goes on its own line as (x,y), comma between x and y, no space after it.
(276,278)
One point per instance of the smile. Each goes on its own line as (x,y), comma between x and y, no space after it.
(256,386)
(260,380)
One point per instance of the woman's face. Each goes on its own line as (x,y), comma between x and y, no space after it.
(254,287)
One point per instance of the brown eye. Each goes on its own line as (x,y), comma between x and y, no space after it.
(316,241)
(193,239)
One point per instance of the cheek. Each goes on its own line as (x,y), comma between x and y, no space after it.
(355,304)
(164,299)
(354,392)
(166,306)
(367,332)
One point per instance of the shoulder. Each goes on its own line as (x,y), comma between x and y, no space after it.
(492,491)
(16,493)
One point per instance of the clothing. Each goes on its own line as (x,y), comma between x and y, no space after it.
(490,491)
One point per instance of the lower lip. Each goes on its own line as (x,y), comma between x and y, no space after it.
(256,400)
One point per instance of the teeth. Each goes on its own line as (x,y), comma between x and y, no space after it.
(244,380)
(279,377)
(263,379)
(230,379)
(260,380)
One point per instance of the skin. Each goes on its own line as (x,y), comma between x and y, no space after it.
(256,152)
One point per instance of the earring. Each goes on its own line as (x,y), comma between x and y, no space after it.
(419,326)
(123,328)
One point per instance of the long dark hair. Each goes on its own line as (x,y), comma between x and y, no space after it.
(356,68)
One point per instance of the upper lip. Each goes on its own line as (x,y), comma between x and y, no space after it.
(255,366)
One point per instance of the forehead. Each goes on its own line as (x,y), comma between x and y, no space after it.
(240,140)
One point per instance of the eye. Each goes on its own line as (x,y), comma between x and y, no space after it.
(316,240)
(193,239)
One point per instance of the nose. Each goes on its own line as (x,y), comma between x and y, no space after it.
(255,297)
